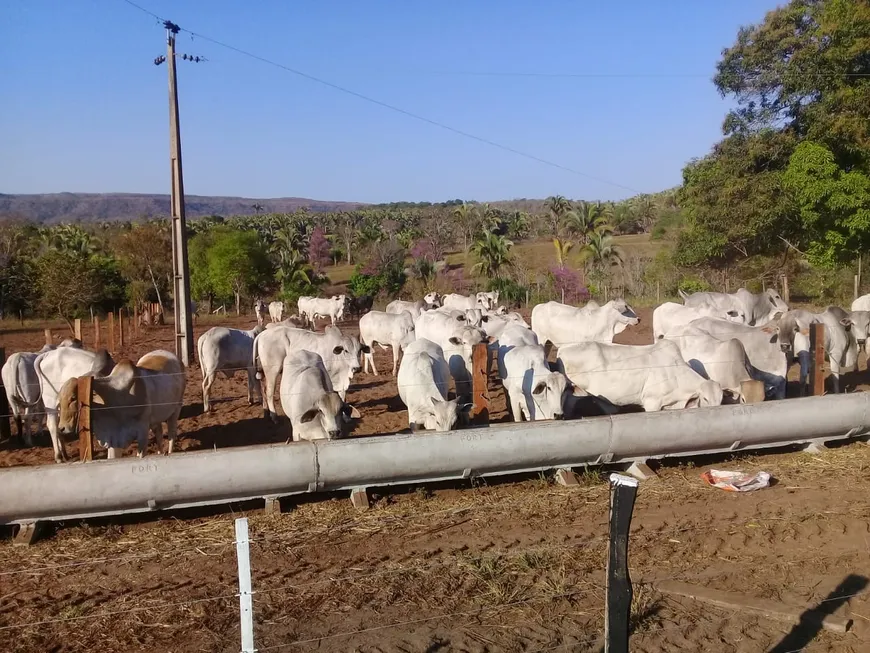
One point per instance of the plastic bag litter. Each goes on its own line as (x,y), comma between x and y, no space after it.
(736,481)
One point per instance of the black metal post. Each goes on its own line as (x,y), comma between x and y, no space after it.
(623,490)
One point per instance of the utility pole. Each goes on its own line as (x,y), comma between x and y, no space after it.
(180,269)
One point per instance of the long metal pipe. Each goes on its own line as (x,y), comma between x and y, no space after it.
(126,485)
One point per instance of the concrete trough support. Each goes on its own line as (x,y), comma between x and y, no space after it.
(190,479)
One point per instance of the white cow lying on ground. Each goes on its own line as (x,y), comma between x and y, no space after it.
(53,369)
(340,354)
(229,351)
(764,347)
(653,376)
(315,410)
(561,324)
(533,392)
(22,389)
(292,321)
(276,311)
(670,315)
(385,329)
(135,399)
(457,343)
(759,309)
(423,380)
(841,346)
(311,308)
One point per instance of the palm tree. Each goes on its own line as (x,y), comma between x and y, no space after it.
(587,219)
(468,217)
(601,251)
(645,211)
(493,253)
(518,225)
(562,249)
(557,206)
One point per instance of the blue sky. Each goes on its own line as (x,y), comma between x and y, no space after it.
(84,109)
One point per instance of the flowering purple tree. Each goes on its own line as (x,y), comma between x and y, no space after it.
(567,284)
(318,249)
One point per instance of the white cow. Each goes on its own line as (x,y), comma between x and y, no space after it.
(135,399)
(841,346)
(276,311)
(292,321)
(561,324)
(759,309)
(463,302)
(723,361)
(385,329)
(488,300)
(653,376)
(670,315)
(414,308)
(310,308)
(432,299)
(221,349)
(457,343)
(862,303)
(423,380)
(764,347)
(470,317)
(860,327)
(56,367)
(315,410)
(260,311)
(494,324)
(340,354)
(22,389)
(533,391)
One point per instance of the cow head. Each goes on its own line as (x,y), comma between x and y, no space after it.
(549,395)
(626,314)
(331,412)
(860,327)
(775,300)
(474,317)
(68,398)
(432,299)
(735,315)
(73,343)
(709,394)
(441,415)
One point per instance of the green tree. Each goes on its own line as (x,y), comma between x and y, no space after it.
(468,220)
(586,219)
(238,264)
(145,254)
(834,205)
(493,254)
(557,206)
(68,284)
(562,247)
(601,251)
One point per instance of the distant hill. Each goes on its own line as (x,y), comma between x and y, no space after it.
(101,207)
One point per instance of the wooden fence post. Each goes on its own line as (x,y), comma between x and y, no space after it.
(96,331)
(77,326)
(817,360)
(786,296)
(623,490)
(48,336)
(111,328)
(480,382)
(86,435)
(855,293)
(120,327)
(5,429)
(136,320)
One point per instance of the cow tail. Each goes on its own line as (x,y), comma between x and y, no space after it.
(257,367)
(683,294)
(17,395)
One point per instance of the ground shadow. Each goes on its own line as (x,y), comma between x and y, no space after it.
(811,621)
(246,432)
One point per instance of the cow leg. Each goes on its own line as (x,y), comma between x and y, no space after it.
(157,430)
(253,386)
(31,424)
(516,404)
(395,357)
(142,440)
(207,381)
(114,452)
(370,360)
(270,378)
(172,432)
(56,442)
(19,426)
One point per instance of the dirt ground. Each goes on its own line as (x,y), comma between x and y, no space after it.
(516,565)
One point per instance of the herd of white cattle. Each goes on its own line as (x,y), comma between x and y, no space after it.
(705,351)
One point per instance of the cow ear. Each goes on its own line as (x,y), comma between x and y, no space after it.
(309,415)
(846,322)
(337,350)
(539,389)
(455,341)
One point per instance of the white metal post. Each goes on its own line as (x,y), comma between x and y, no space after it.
(246,605)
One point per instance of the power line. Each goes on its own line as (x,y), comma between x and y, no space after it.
(392,107)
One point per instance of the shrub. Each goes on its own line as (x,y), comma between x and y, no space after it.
(567,284)
(693,284)
(510,292)
(364,284)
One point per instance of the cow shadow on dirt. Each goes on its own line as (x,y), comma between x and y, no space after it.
(246,432)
